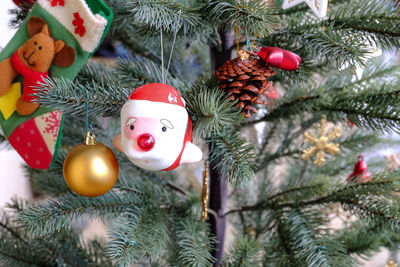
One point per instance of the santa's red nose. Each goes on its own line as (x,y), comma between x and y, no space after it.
(146,142)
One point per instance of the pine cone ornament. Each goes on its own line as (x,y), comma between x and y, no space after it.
(246,78)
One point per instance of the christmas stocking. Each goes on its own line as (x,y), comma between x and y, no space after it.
(55,40)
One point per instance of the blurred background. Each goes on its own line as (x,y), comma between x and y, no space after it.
(13,182)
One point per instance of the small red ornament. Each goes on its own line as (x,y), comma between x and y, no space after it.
(350,123)
(145,142)
(78,23)
(280,58)
(360,170)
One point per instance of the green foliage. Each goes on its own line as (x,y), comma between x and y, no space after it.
(345,37)
(19,14)
(308,248)
(361,238)
(104,100)
(134,73)
(193,243)
(138,235)
(151,16)
(3,142)
(245,252)
(210,109)
(231,156)
(61,248)
(253,18)
(59,214)
(49,181)
(364,101)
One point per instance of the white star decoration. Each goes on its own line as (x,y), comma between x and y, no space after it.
(318,6)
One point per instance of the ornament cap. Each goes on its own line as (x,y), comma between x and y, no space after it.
(243,54)
(90,139)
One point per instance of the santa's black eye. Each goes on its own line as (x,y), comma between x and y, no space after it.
(40,48)
(132,127)
(164,129)
(35,43)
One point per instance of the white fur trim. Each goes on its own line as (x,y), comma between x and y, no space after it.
(93,23)
(151,109)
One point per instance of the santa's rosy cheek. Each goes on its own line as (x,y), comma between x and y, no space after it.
(129,132)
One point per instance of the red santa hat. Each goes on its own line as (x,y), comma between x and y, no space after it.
(160,100)
(157,92)
(149,99)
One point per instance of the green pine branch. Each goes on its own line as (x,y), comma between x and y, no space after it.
(232,156)
(365,238)
(65,248)
(49,181)
(252,18)
(302,233)
(105,99)
(193,243)
(139,235)
(60,214)
(147,18)
(364,101)
(346,36)
(136,72)
(380,184)
(210,109)
(244,252)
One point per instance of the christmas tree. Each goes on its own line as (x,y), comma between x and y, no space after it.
(270,179)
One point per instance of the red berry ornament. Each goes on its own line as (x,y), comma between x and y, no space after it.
(280,58)
(360,170)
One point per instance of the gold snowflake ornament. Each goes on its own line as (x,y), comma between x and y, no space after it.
(321,144)
(391,263)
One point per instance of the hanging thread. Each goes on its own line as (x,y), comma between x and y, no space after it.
(249,48)
(173,42)
(164,74)
(252,45)
(162,57)
(237,29)
(87,125)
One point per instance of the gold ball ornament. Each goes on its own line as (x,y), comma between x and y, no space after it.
(90,169)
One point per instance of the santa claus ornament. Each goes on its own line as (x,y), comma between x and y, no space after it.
(156,130)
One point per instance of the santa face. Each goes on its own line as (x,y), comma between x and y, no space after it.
(152,133)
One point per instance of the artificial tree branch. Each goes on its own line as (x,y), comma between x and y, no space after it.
(270,204)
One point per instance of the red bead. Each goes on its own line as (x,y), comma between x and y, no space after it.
(146,142)
(360,169)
